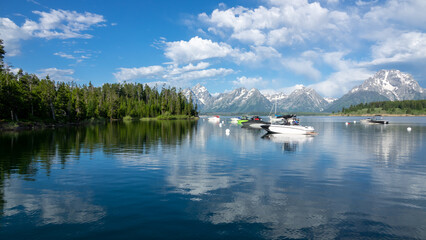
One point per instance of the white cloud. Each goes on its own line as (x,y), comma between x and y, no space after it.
(63,75)
(404,48)
(78,56)
(284,36)
(195,49)
(250,36)
(340,82)
(201,74)
(63,24)
(284,22)
(249,82)
(406,14)
(64,55)
(174,69)
(60,24)
(11,34)
(126,74)
(302,67)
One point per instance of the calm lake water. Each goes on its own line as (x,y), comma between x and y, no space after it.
(190,180)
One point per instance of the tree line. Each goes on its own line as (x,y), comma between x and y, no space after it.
(405,106)
(24,96)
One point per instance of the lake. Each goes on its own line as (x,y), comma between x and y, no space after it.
(191,180)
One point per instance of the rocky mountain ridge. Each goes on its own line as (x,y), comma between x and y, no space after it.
(383,86)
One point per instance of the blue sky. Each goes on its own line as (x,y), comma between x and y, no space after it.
(273,45)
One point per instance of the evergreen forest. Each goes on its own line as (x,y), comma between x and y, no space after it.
(26,97)
(405,107)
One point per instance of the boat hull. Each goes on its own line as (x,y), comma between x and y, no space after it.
(255,124)
(369,121)
(289,129)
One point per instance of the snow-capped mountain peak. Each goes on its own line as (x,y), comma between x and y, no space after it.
(393,84)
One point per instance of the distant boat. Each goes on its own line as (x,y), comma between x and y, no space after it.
(289,126)
(377,119)
(214,119)
(235,119)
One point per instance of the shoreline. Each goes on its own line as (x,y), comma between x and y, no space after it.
(23,125)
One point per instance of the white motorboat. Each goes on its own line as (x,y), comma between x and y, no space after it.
(255,122)
(378,119)
(290,126)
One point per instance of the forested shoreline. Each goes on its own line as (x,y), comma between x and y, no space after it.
(397,108)
(25,97)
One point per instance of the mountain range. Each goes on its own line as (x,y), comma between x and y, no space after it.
(385,85)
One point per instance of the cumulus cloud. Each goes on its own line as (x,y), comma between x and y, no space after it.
(407,13)
(195,49)
(11,34)
(283,23)
(126,74)
(340,82)
(303,67)
(63,75)
(248,82)
(253,36)
(406,47)
(60,24)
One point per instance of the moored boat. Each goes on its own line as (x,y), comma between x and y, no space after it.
(377,119)
(243,119)
(255,122)
(289,126)
(214,119)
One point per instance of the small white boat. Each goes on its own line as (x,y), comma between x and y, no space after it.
(378,119)
(289,126)
(235,119)
(214,119)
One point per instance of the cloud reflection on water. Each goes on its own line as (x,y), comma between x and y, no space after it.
(318,193)
(52,207)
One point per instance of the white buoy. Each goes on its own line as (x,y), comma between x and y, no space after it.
(346,123)
(354,121)
(227,131)
(220,124)
(223,121)
(409,129)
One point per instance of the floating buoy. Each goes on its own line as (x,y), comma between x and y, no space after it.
(354,121)
(409,129)
(227,131)
(220,124)
(347,123)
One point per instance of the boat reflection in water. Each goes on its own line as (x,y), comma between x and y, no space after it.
(290,142)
